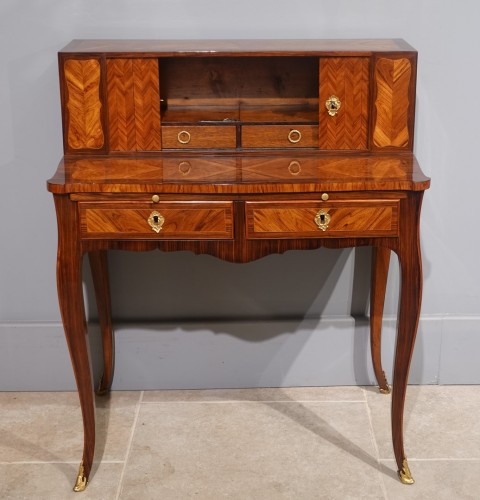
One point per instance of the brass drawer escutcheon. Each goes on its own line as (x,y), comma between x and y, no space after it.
(156,221)
(322,219)
(333,104)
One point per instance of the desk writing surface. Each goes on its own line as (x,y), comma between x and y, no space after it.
(237,174)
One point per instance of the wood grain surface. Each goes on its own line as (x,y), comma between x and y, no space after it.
(348,79)
(133,104)
(84,125)
(392,79)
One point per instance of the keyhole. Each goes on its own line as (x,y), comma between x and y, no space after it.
(322,218)
(155,219)
(333,106)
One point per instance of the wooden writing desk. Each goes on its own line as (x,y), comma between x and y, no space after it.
(237,149)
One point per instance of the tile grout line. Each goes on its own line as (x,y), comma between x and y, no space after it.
(375,446)
(52,462)
(251,401)
(129,446)
(439,459)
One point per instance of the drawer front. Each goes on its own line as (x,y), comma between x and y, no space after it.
(279,136)
(312,219)
(164,220)
(199,136)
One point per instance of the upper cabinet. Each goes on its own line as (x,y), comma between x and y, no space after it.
(316,96)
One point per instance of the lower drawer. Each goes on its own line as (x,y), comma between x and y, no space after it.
(199,136)
(164,220)
(279,136)
(312,219)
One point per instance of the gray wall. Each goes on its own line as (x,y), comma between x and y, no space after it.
(294,319)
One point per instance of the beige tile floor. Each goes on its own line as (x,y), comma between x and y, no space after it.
(298,443)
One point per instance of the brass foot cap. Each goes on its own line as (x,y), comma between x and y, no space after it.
(404,474)
(81,482)
(385,388)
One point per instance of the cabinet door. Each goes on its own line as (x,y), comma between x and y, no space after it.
(346,78)
(133,104)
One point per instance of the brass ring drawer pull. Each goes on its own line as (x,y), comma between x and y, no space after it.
(294,136)
(333,104)
(322,219)
(183,137)
(156,221)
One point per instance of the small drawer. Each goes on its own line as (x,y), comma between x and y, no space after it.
(199,136)
(316,219)
(164,220)
(279,136)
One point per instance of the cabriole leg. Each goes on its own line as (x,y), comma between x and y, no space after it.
(99,268)
(70,295)
(380,263)
(408,316)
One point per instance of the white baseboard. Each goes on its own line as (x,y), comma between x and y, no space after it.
(330,351)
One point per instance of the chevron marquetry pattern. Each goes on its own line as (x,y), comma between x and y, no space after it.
(347,78)
(84,124)
(392,78)
(133,104)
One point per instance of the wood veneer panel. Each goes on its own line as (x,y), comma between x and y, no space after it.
(83,120)
(346,78)
(147,104)
(133,104)
(199,136)
(297,219)
(277,136)
(184,48)
(392,103)
(194,220)
(255,174)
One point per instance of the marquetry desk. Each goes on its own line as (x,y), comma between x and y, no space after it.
(237,149)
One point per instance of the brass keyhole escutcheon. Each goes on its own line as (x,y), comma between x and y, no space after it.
(333,104)
(322,219)
(156,221)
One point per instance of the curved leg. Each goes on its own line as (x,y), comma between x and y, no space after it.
(99,268)
(380,263)
(408,316)
(70,296)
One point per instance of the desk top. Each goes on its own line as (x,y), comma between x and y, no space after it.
(177,48)
(238,174)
